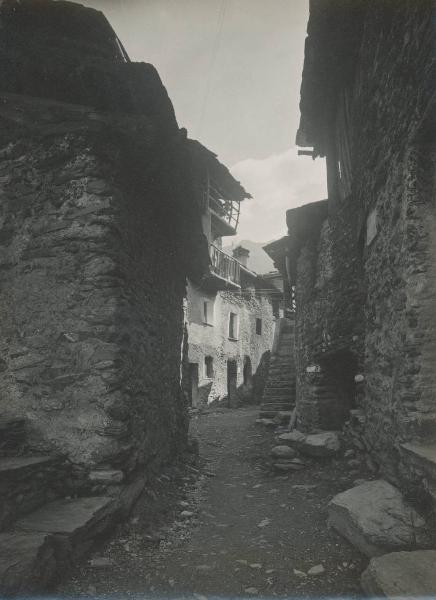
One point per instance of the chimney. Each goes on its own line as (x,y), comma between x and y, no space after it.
(241,254)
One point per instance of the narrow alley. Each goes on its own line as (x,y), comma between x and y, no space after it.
(217,299)
(238,528)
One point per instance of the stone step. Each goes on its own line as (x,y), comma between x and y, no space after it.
(12,435)
(280,385)
(422,457)
(27,563)
(273,410)
(49,540)
(274,405)
(278,399)
(281,374)
(279,391)
(27,482)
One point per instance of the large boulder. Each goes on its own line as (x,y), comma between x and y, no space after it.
(283,452)
(323,444)
(375,518)
(408,575)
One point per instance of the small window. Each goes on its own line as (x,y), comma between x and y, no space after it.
(208,367)
(233,326)
(259,326)
(208,312)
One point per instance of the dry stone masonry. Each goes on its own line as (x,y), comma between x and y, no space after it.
(361,263)
(99,228)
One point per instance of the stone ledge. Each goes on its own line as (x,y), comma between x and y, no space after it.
(14,465)
(423,456)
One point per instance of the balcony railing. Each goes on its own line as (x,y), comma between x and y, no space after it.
(226,210)
(225,266)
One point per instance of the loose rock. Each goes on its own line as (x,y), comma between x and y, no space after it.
(375,518)
(283,452)
(316,570)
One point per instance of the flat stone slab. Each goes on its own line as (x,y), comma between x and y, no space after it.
(424,455)
(27,562)
(375,518)
(405,575)
(17,463)
(67,516)
(323,444)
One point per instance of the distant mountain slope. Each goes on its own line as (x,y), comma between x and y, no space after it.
(258,261)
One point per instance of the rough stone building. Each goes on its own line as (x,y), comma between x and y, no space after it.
(231,311)
(99,228)
(362,262)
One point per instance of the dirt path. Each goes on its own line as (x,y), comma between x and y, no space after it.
(252,532)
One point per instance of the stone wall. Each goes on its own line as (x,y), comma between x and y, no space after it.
(329,317)
(213,340)
(99,229)
(366,297)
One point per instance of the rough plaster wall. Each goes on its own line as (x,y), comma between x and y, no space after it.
(96,235)
(213,341)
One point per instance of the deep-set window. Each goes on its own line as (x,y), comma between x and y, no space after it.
(208,312)
(208,366)
(233,326)
(259,326)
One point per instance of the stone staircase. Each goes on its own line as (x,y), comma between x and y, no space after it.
(279,392)
(43,528)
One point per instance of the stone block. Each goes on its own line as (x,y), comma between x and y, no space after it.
(81,521)
(375,518)
(27,562)
(406,575)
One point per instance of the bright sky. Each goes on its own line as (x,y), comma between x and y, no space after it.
(232,69)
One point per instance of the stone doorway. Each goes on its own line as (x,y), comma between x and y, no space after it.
(336,391)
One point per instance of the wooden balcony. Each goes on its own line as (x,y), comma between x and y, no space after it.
(225,272)
(224,212)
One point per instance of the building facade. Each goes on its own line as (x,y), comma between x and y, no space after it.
(362,262)
(231,312)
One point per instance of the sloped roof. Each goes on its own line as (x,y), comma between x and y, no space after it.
(331,47)
(229,186)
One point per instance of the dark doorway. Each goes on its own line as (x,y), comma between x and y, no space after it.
(337,392)
(248,372)
(232,381)
(193,376)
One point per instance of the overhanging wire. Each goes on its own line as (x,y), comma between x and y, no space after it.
(221,17)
